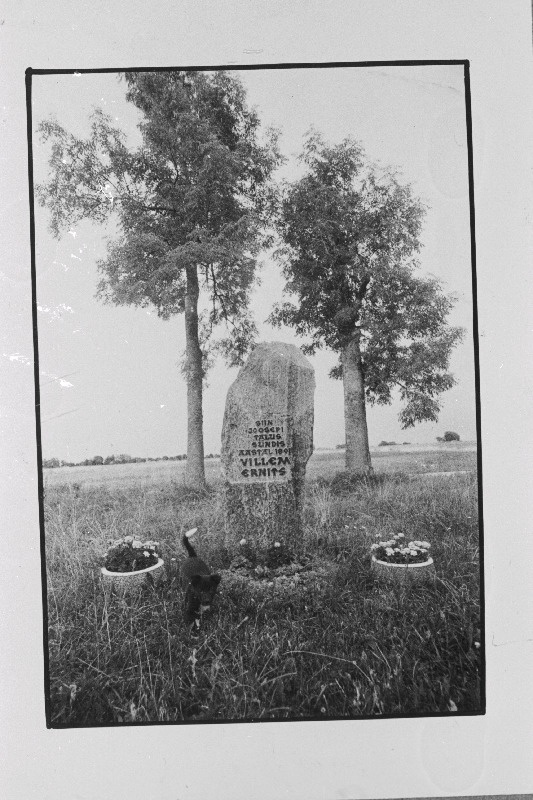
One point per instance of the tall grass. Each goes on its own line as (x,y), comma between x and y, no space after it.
(336,645)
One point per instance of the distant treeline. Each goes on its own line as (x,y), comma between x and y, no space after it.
(385,444)
(381,444)
(97,461)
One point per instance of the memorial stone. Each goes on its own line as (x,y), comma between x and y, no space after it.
(267,439)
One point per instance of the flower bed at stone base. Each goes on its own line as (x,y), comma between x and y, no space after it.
(289,581)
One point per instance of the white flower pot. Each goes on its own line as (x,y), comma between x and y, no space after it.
(132,582)
(384,572)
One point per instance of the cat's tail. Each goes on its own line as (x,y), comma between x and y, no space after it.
(187,545)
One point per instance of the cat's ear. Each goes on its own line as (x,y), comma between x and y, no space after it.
(215,579)
(196,580)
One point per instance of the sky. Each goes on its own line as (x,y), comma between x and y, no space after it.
(109,376)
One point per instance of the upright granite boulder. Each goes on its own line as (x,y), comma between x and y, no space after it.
(267,439)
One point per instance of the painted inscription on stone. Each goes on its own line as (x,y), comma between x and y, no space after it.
(263,451)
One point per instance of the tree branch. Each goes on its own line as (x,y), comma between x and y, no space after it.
(362,289)
(413,391)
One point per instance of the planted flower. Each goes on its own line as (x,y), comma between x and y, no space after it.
(130,563)
(130,555)
(277,555)
(396,560)
(397,551)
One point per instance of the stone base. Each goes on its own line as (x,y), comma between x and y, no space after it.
(262,514)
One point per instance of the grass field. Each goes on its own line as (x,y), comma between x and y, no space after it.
(456,456)
(335,646)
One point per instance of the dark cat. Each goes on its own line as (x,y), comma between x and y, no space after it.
(201,584)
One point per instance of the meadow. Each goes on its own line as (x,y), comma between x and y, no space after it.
(411,459)
(335,646)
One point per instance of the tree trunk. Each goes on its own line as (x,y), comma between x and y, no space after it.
(357,449)
(194,471)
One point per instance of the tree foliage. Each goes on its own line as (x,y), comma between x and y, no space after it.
(190,202)
(351,234)
(451,436)
(194,195)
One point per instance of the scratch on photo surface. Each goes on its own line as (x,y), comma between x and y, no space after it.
(423,84)
(60,379)
(22,359)
(511,641)
(55,416)
(56,312)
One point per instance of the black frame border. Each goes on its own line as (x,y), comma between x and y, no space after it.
(30,72)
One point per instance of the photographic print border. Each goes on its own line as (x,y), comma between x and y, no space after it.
(30,72)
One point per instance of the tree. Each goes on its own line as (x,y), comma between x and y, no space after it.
(451,436)
(350,234)
(190,203)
